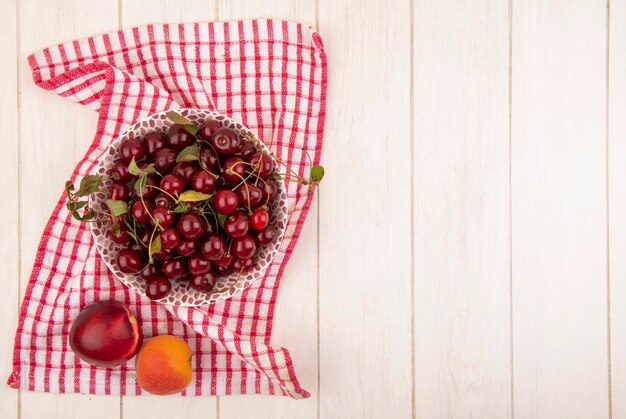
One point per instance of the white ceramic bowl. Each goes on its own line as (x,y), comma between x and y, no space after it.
(181,294)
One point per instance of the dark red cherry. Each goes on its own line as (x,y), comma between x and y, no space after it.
(140,210)
(186,247)
(268,190)
(121,236)
(154,142)
(164,254)
(224,261)
(172,184)
(144,236)
(202,283)
(259,219)
(119,192)
(236,224)
(243,265)
(191,226)
(223,270)
(164,159)
(247,149)
(158,287)
(132,148)
(262,164)
(163,200)
(213,248)
(243,247)
(209,160)
(225,141)
(169,238)
(249,195)
(148,191)
(164,216)
(173,268)
(208,128)
(265,236)
(203,181)
(151,270)
(185,170)
(128,260)
(198,264)
(234,170)
(178,137)
(225,201)
(120,173)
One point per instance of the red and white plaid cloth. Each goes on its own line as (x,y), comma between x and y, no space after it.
(269,74)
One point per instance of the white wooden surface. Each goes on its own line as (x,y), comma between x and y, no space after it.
(465,255)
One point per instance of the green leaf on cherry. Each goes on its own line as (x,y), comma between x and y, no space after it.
(116,228)
(181,120)
(193,196)
(180,208)
(317,174)
(133,169)
(190,153)
(221,218)
(117,207)
(75,205)
(88,185)
(155,247)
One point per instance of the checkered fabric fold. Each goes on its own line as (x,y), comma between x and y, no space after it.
(269,74)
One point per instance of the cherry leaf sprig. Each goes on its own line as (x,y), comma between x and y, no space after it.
(88,185)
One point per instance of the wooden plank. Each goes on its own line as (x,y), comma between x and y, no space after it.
(559,210)
(135,13)
(617,204)
(461,201)
(295,316)
(9,268)
(55,134)
(365,203)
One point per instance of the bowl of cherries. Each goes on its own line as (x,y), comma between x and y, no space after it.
(187,207)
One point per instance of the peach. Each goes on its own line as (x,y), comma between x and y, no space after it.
(105,334)
(164,365)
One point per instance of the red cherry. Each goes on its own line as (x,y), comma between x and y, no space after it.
(262,162)
(185,170)
(121,236)
(150,271)
(234,170)
(147,192)
(236,224)
(202,283)
(158,287)
(120,173)
(268,190)
(213,247)
(178,137)
(128,261)
(224,261)
(225,201)
(191,226)
(140,210)
(203,181)
(198,264)
(243,247)
(259,219)
(249,195)
(186,247)
(119,192)
(163,200)
(225,141)
(164,216)
(247,149)
(164,254)
(209,160)
(169,238)
(154,142)
(164,159)
(243,265)
(172,184)
(173,268)
(208,128)
(132,148)
(265,236)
